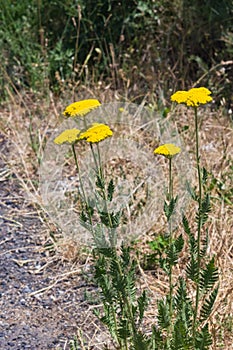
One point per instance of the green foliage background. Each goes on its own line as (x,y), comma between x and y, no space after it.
(151,44)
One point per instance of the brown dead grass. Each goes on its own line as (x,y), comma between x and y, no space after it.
(25,113)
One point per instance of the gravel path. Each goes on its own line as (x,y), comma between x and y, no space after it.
(30,319)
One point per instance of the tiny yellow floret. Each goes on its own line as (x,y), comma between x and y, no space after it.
(167,150)
(193,97)
(67,136)
(81,108)
(96,133)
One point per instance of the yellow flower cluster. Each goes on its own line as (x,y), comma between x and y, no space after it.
(67,136)
(96,133)
(193,97)
(167,150)
(80,108)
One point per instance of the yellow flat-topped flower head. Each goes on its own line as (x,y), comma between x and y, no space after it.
(193,97)
(96,133)
(167,150)
(81,108)
(68,136)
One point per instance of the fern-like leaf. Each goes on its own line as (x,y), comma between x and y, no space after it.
(204,211)
(179,243)
(99,182)
(208,304)
(181,339)
(183,305)
(204,175)
(140,342)
(205,245)
(156,339)
(192,240)
(123,329)
(192,268)
(186,225)
(125,255)
(170,207)
(111,220)
(174,250)
(110,190)
(163,314)
(208,276)
(203,339)
(142,304)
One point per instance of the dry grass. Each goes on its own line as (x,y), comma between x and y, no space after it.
(27,122)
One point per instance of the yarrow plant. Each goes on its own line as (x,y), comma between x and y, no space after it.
(182,321)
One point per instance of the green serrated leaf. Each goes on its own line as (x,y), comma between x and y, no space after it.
(111,220)
(110,190)
(140,342)
(204,175)
(164,264)
(174,250)
(163,314)
(192,240)
(208,276)
(183,305)
(115,218)
(203,339)
(156,340)
(208,304)
(83,216)
(205,244)
(192,268)
(99,182)
(142,304)
(202,214)
(123,330)
(170,207)
(179,243)
(186,225)
(181,339)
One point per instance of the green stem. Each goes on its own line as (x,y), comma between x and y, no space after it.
(82,192)
(199,224)
(100,173)
(94,156)
(170,194)
(99,162)
(170,197)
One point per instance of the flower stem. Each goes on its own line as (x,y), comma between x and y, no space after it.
(199,224)
(82,192)
(79,174)
(170,198)
(112,233)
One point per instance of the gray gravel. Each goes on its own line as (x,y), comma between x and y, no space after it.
(45,320)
